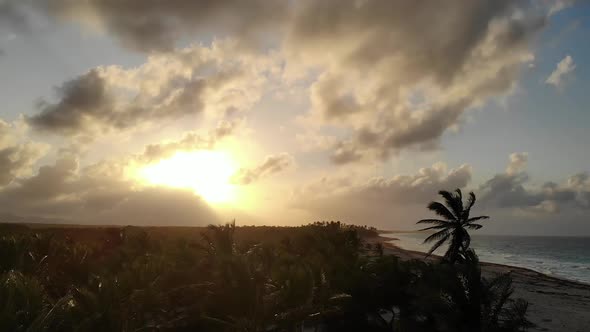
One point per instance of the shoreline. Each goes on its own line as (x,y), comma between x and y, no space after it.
(385,240)
(555,304)
(422,255)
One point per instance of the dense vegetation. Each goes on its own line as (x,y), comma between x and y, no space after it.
(319,277)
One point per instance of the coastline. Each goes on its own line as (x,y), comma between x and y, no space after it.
(555,304)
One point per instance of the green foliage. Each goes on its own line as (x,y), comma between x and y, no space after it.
(319,277)
(23,299)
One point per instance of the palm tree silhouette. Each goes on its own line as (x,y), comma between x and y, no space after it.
(454,225)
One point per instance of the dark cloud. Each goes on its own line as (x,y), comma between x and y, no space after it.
(100,194)
(388,136)
(365,33)
(87,102)
(160,206)
(167,87)
(157,25)
(512,190)
(507,191)
(271,165)
(421,132)
(13,17)
(379,201)
(371,56)
(81,101)
(374,56)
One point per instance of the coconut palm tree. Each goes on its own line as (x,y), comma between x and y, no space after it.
(454,225)
(475,303)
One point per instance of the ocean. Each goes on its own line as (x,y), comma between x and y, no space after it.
(563,257)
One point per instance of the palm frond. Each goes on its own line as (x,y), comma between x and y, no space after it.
(473,226)
(452,202)
(434,221)
(466,241)
(470,201)
(459,200)
(441,210)
(433,227)
(439,243)
(471,258)
(437,235)
(467,208)
(470,220)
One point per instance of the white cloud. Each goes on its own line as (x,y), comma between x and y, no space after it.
(564,68)
(368,60)
(272,164)
(556,6)
(189,142)
(373,58)
(518,162)
(196,80)
(17,155)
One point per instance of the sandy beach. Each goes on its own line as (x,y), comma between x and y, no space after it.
(555,305)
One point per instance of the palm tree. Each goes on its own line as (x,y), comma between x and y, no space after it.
(475,303)
(454,225)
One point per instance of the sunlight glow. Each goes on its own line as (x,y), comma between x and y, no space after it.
(208,173)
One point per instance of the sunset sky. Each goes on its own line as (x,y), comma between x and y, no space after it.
(186,112)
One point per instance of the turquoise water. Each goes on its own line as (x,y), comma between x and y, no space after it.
(564,257)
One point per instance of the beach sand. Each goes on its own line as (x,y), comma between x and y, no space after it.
(555,305)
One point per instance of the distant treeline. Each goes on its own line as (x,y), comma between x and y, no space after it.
(319,277)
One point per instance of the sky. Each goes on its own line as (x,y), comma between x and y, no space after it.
(281,112)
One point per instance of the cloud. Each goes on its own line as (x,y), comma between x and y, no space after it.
(189,142)
(168,87)
(344,153)
(556,6)
(101,194)
(379,201)
(564,68)
(382,77)
(13,17)
(157,25)
(375,57)
(518,163)
(271,165)
(312,141)
(160,206)
(511,190)
(14,21)
(82,100)
(367,61)
(17,158)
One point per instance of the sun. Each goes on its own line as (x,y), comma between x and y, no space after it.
(208,173)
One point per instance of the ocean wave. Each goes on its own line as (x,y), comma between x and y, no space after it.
(560,257)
